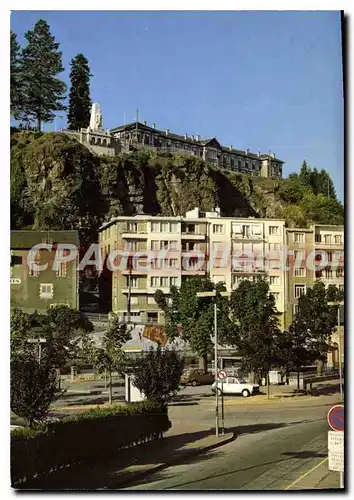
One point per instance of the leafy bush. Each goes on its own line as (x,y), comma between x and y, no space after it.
(157,374)
(86,437)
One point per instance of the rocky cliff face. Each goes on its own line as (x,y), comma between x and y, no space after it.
(57,183)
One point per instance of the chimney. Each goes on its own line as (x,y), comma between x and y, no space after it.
(167,131)
(231,147)
(185,136)
(247,151)
(197,138)
(154,125)
(144,122)
(193,137)
(259,153)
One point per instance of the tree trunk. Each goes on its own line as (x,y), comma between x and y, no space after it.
(268,386)
(39,123)
(203,363)
(110,387)
(298,380)
(319,364)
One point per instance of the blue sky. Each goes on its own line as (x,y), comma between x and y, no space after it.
(267,81)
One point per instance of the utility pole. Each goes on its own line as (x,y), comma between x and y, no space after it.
(339,304)
(129,289)
(215,294)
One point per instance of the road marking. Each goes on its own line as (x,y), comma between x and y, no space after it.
(306,473)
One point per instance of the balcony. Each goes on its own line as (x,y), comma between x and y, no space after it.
(332,245)
(193,236)
(136,235)
(247,237)
(135,291)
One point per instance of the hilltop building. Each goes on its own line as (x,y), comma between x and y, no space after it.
(136,136)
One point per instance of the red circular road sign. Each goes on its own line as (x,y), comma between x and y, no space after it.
(222,374)
(335,418)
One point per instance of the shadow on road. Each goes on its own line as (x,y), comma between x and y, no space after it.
(324,389)
(110,474)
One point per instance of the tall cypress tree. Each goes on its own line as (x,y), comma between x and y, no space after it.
(79,97)
(42,62)
(15,76)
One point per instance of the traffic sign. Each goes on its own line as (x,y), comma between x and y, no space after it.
(335,418)
(336,451)
(222,374)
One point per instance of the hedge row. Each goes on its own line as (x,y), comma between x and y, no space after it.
(84,437)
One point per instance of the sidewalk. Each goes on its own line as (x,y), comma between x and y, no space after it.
(180,444)
(317,478)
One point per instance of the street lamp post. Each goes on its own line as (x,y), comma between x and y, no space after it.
(339,345)
(38,341)
(214,294)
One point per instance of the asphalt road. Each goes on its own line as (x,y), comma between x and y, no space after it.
(276,445)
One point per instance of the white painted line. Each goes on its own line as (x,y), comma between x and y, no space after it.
(306,473)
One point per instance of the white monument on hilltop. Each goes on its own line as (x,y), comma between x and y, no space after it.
(96,122)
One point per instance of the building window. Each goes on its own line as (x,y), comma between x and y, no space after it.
(132,227)
(299,290)
(46,290)
(134,316)
(155,245)
(257,230)
(152,317)
(340,272)
(151,300)
(32,273)
(274,230)
(299,271)
(327,238)
(173,281)
(61,272)
(274,280)
(295,309)
(165,227)
(341,288)
(299,237)
(173,227)
(164,281)
(155,281)
(133,281)
(338,239)
(218,228)
(155,227)
(276,296)
(173,263)
(132,246)
(318,238)
(190,246)
(246,231)
(134,301)
(299,256)
(173,245)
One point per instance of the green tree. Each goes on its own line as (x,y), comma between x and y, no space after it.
(16,82)
(33,388)
(195,315)
(314,323)
(79,96)
(257,331)
(41,63)
(157,374)
(110,357)
(63,329)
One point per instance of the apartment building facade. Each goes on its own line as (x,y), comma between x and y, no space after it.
(33,290)
(167,249)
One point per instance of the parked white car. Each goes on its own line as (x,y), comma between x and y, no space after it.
(233,385)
